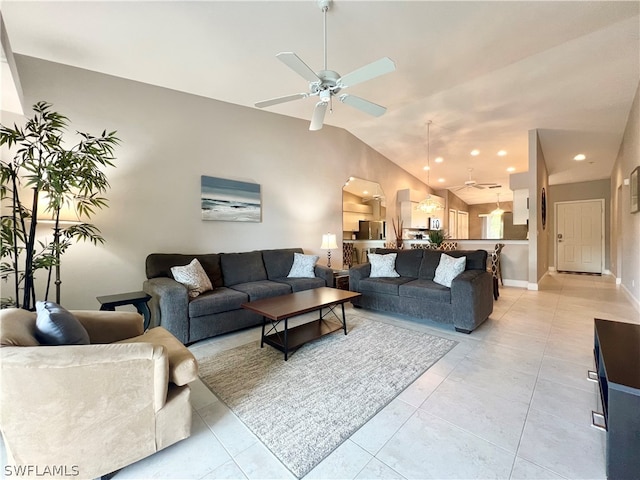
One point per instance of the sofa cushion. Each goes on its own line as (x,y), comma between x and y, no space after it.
(220,300)
(387,285)
(303,266)
(193,277)
(383,265)
(476,259)
(278,262)
(407,261)
(430,261)
(55,325)
(18,328)
(299,284)
(242,267)
(425,290)
(159,265)
(448,269)
(262,289)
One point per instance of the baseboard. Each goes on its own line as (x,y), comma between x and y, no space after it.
(515,283)
(552,269)
(634,301)
(532,286)
(618,281)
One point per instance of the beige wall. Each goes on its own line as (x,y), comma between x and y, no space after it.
(625,226)
(169,139)
(538,234)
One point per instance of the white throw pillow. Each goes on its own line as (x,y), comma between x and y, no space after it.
(303,266)
(448,269)
(383,265)
(193,277)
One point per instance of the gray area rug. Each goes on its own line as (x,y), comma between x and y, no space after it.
(304,408)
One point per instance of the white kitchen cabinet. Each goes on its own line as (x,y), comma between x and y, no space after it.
(520,206)
(412,217)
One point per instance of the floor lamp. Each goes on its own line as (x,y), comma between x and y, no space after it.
(328,243)
(67,215)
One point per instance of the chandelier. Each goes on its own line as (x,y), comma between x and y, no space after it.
(429,205)
(498,211)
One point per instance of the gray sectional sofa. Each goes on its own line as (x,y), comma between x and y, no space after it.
(466,304)
(236,278)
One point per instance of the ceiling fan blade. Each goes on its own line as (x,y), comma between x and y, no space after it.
(292,61)
(277,100)
(361,104)
(372,70)
(318,116)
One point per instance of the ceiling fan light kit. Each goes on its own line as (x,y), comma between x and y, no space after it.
(326,83)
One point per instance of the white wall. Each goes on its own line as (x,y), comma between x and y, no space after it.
(169,139)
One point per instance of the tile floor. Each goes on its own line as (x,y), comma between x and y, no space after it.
(511,400)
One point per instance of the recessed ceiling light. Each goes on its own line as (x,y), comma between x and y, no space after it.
(365,192)
(441,180)
(511,169)
(502,153)
(426,167)
(475,153)
(439,160)
(579,157)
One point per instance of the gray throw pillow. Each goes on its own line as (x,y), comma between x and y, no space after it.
(448,269)
(55,325)
(383,265)
(193,277)
(303,266)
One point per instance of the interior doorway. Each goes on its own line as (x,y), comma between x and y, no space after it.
(580,236)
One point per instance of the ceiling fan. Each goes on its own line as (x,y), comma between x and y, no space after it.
(473,184)
(326,84)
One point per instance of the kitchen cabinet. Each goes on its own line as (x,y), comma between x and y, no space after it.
(412,217)
(352,213)
(520,206)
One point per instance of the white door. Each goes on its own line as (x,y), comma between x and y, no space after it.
(463,225)
(453,224)
(579,236)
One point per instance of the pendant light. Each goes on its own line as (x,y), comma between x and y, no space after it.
(498,210)
(429,205)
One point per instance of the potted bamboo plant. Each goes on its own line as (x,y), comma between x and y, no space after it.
(43,168)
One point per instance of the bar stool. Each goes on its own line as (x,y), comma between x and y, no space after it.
(347,254)
(495,269)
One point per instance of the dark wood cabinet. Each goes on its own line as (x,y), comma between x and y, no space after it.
(617,359)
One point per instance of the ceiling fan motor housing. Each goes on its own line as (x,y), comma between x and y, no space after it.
(329,83)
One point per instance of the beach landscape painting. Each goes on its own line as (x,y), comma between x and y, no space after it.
(229,200)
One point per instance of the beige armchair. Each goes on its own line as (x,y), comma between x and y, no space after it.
(84,411)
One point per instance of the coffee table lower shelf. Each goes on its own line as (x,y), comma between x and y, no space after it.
(298,336)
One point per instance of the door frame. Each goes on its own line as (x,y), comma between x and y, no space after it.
(602,225)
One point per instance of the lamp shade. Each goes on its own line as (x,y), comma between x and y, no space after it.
(68,212)
(329,241)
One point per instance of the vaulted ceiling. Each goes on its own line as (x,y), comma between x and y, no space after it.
(484,73)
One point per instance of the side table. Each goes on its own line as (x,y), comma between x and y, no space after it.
(137,299)
(341,279)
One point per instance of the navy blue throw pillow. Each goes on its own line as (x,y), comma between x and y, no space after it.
(55,325)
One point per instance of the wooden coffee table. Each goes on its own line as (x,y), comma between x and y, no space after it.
(282,308)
